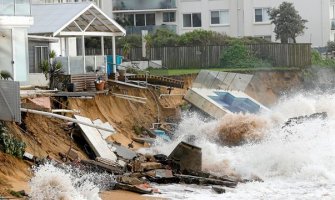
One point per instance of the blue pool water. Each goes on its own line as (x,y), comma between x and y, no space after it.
(235,104)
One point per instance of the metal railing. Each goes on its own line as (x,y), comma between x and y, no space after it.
(150,29)
(75,64)
(62,1)
(143,4)
(15,8)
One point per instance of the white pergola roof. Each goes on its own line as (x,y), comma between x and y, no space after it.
(72,19)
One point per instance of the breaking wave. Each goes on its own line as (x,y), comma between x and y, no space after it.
(67,183)
(294,161)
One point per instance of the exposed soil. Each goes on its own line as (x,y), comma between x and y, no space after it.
(266,87)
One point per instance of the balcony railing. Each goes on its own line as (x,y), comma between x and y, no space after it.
(143,4)
(62,1)
(151,29)
(75,64)
(15,8)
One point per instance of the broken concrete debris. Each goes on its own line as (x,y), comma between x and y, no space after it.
(134,172)
(188,156)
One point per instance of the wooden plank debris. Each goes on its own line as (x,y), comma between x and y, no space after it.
(104,134)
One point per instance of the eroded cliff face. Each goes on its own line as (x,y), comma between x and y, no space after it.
(267,86)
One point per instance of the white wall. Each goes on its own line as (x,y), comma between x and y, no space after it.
(15,43)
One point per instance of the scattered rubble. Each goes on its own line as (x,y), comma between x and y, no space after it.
(301,119)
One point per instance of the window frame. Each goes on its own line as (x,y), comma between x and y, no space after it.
(192,25)
(169,17)
(264,10)
(145,18)
(220,23)
(38,57)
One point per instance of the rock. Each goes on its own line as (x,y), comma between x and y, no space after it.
(73,155)
(138,188)
(162,176)
(150,158)
(219,190)
(149,166)
(130,180)
(122,163)
(189,157)
(205,181)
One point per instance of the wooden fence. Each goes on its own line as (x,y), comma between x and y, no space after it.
(280,55)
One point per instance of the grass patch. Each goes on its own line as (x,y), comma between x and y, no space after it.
(176,72)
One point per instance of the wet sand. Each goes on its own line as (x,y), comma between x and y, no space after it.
(124,195)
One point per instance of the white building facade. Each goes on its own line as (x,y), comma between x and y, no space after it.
(240,18)
(237,18)
(15,18)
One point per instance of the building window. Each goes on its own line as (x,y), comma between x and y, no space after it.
(41,54)
(140,19)
(261,15)
(150,19)
(192,20)
(265,37)
(220,17)
(169,17)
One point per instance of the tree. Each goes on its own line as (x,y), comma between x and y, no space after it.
(288,23)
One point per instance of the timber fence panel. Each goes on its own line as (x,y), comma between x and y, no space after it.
(280,55)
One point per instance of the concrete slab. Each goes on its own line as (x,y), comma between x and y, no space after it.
(95,140)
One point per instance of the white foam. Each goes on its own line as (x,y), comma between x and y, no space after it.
(295,162)
(67,183)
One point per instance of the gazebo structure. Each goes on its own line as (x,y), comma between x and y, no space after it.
(69,22)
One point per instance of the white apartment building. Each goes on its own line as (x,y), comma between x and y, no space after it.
(236,18)
(249,18)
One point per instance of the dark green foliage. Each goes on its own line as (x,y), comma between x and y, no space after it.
(138,130)
(93,42)
(237,55)
(15,194)
(318,60)
(52,69)
(131,40)
(198,37)
(10,144)
(288,23)
(161,38)
(165,37)
(330,46)
(5,75)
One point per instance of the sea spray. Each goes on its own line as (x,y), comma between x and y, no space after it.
(66,182)
(236,129)
(295,162)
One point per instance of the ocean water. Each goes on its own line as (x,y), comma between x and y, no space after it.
(295,162)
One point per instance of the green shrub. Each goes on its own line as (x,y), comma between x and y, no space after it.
(318,60)
(237,55)
(10,144)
